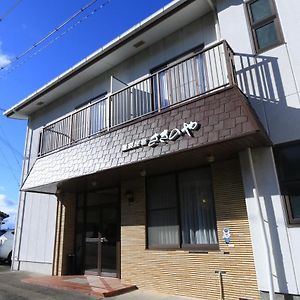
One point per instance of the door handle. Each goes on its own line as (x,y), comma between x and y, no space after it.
(103,240)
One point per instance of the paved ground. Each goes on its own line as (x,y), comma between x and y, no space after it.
(4,268)
(139,295)
(11,288)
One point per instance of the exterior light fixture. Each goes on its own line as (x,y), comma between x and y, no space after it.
(129,197)
(210,158)
(143,172)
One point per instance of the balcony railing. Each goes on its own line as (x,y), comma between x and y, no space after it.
(199,74)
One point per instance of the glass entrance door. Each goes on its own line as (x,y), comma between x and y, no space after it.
(101,235)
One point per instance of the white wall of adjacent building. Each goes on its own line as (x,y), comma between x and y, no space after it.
(271,82)
(35,225)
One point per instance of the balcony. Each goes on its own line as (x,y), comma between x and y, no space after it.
(197,75)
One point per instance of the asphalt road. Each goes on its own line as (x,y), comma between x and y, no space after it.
(11,288)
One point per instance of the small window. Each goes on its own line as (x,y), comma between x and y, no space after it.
(264,23)
(181,211)
(288,167)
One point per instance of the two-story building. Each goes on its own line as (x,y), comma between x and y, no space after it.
(170,157)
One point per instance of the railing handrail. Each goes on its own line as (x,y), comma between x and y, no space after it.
(177,62)
(225,52)
(75,111)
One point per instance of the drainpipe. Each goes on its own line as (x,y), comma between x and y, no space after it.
(261,219)
(217,24)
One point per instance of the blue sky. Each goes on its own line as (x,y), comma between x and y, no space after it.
(25,25)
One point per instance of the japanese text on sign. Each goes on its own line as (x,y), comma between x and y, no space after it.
(164,137)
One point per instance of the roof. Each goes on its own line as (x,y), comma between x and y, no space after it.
(150,30)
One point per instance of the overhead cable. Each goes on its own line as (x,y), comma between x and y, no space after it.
(10,10)
(54,31)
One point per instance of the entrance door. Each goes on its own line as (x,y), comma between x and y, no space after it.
(101,237)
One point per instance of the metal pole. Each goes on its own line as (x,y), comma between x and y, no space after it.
(261,219)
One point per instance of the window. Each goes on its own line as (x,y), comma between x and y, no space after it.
(180,78)
(288,167)
(181,210)
(264,24)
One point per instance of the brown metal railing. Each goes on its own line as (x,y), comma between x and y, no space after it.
(198,74)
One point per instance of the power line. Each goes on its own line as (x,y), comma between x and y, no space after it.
(10,167)
(6,142)
(45,38)
(10,10)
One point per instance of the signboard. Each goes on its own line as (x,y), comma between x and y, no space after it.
(164,137)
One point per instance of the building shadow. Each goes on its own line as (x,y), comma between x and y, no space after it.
(259,77)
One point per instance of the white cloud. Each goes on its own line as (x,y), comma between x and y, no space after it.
(4,58)
(9,207)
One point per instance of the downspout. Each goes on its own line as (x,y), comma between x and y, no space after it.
(261,219)
(216,19)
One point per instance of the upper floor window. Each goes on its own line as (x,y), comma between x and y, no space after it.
(288,167)
(180,210)
(264,24)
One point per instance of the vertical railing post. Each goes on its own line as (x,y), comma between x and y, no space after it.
(41,142)
(88,121)
(71,128)
(158,92)
(108,112)
(152,94)
(228,64)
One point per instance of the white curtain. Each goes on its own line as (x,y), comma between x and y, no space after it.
(163,226)
(197,210)
(182,81)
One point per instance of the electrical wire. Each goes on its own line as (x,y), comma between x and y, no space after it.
(10,167)
(4,139)
(54,31)
(10,10)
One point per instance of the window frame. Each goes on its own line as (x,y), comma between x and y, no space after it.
(180,246)
(253,26)
(284,183)
(292,220)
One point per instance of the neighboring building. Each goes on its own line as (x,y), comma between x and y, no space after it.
(170,157)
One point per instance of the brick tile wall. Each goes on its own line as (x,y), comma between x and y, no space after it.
(192,274)
(65,233)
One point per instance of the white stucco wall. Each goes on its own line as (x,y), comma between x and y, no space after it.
(283,241)
(271,82)
(35,224)
(271,79)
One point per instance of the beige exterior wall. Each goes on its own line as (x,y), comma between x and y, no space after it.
(177,271)
(65,233)
(192,274)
